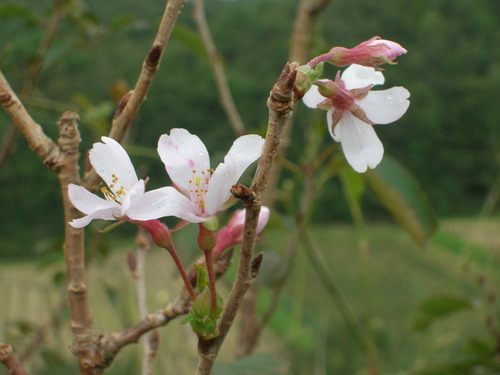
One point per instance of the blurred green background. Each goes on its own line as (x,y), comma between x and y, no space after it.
(449,139)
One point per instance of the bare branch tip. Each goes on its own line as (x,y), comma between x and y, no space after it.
(246,195)
(5,351)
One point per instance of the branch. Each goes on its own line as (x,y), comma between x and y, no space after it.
(81,324)
(308,195)
(280,104)
(143,243)
(132,101)
(59,11)
(9,361)
(124,117)
(37,140)
(307,12)
(111,344)
(225,96)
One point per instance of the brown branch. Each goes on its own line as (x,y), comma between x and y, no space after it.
(149,68)
(307,12)
(37,140)
(252,336)
(81,324)
(9,361)
(225,96)
(132,101)
(143,244)
(110,344)
(280,104)
(59,11)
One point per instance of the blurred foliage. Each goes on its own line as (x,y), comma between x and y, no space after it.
(449,138)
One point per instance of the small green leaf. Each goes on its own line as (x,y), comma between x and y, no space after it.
(201,279)
(11,11)
(443,305)
(401,194)
(438,307)
(191,40)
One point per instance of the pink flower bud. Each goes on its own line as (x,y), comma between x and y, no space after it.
(387,48)
(371,53)
(232,233)
(159,232)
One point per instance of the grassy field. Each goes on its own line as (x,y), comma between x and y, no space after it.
(384,285)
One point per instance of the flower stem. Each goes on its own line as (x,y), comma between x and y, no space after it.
(211,280)
(182,271)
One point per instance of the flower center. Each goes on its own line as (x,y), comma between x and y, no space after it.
(114,193)
(199,188)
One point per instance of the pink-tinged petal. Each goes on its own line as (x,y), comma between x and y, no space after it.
(357,76)
(360,143)
(263,218)
(89,203)
(385,106)
(183,152)
(393,49)
(110,160)
(244,151)
(163,202)
(313,98)
(237,219)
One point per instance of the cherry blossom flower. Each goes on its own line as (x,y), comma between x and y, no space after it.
(353,110)
(124,196)
(232,233)
(201,192)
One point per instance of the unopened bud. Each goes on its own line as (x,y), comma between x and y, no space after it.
(159,232)
(207,238)
(372,53)
(154,341)
(132,261)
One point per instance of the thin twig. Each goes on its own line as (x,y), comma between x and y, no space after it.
(59,11)
(111,344)
(37,140)
(9,361)
(225,97)
(143,243)
(343,306)
(307,12)
(307,197)
(280,104)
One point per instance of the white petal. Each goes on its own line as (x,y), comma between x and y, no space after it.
(313,98)
(329,121)
(183,152)
(133,195)
(163,202)
(360,143)
(357,76)
(385,106)
(244,151)
(110,159)
(89,203)
(82,222)
(104,214)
